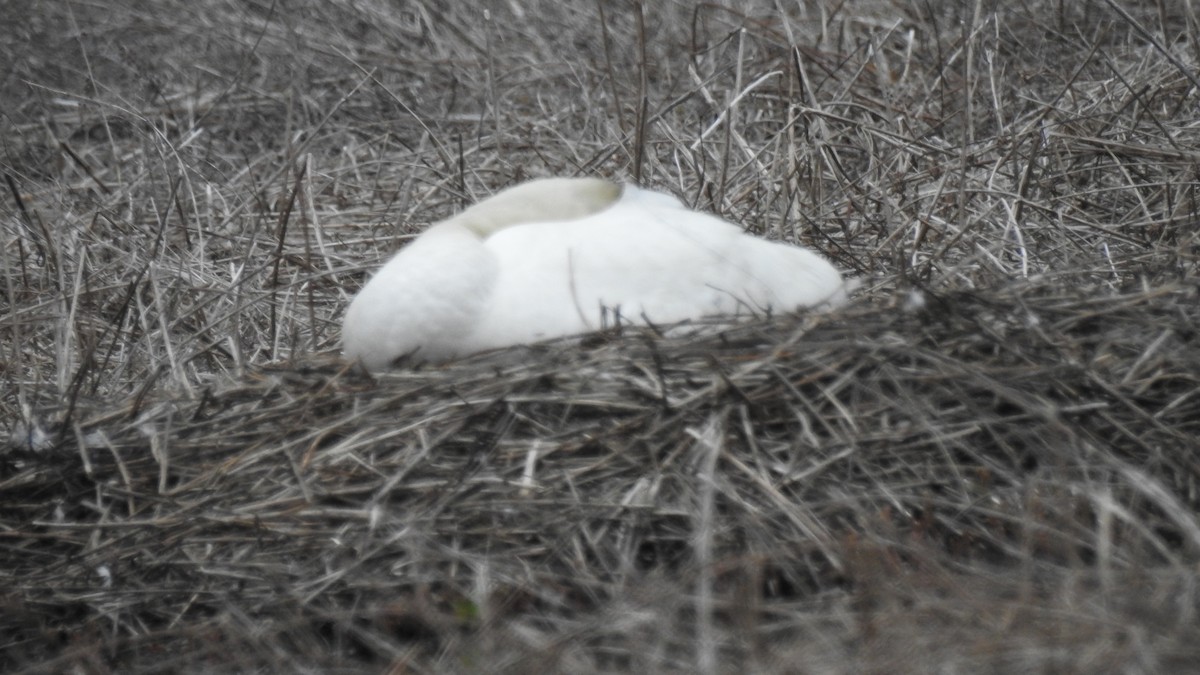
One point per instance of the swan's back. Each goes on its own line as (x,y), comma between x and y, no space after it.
(539,201)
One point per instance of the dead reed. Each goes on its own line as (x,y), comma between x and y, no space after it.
(987,464)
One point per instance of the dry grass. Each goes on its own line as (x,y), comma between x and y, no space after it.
(987,464)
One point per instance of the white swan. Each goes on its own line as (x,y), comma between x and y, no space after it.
(563,256)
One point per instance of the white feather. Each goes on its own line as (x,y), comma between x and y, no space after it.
(566,256)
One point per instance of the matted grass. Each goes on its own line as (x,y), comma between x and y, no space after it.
(987,463)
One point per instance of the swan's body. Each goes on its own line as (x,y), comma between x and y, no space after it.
(559,257)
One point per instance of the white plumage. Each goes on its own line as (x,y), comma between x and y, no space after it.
(564,256)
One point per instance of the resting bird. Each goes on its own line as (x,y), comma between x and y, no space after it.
(563,256)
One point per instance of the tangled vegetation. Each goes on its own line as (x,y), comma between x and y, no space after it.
(986,463)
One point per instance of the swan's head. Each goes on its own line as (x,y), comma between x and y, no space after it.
(540,201)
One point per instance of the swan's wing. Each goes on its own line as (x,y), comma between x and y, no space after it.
(783,276)
(644,262)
